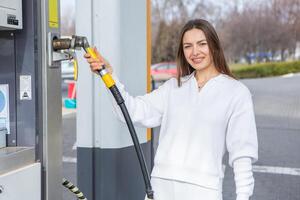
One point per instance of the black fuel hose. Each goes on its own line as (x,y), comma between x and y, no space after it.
(110,84)
(120,101)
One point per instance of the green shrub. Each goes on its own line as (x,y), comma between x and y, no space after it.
(267,69)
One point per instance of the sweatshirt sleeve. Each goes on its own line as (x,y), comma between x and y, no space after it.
(146,110)
(241,136)
(243,177)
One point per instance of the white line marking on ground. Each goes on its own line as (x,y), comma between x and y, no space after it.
(256,168)
(288,75)
(276,170)
(69,159)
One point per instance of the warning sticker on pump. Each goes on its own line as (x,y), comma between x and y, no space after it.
(25,87)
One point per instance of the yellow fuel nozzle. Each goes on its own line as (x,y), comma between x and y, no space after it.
(106,77)
(78,42)
(91,52)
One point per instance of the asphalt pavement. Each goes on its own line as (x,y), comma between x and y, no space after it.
(277,111)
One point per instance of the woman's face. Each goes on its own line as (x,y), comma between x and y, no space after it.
(196,50)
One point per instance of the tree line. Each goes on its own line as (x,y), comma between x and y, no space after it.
(250,31)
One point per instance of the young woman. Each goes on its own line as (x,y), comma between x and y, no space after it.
(202,113)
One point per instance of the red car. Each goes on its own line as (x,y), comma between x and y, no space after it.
(163,71)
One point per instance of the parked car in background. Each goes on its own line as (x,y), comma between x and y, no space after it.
(163,71)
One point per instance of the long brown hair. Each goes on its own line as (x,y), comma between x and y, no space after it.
(183,67)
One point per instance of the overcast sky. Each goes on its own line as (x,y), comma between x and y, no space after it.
(66,5)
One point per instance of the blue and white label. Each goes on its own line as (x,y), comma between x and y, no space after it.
(2,101)
(4,109)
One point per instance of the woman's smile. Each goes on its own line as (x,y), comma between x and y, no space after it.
(197,60)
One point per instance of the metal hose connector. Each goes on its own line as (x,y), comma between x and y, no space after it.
(61,44)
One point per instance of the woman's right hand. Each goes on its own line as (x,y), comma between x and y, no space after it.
(97,63)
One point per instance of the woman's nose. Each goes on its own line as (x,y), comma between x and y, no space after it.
(196,50)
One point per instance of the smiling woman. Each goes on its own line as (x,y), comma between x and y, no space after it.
(198,55)
(197,127)
(200,50)
(196,49)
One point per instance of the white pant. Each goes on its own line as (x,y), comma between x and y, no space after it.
(165,189)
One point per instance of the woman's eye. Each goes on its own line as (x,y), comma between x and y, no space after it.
(186,47)
(203,43)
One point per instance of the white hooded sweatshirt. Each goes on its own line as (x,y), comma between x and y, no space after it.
(197,127)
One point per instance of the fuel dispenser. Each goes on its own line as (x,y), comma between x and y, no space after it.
(30,101)
(10,19)
(17,135)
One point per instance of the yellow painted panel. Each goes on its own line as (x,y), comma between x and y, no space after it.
(53,14)
(149,134)
(148,50)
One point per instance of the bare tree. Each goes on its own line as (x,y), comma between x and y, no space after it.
(262,29)
(67,17)
(168,17)
(250,29)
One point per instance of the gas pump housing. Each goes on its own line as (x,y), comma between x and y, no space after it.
(31,152)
